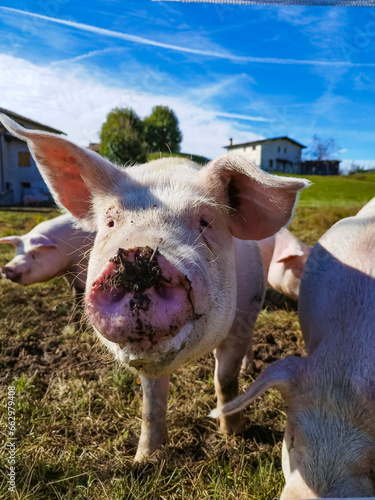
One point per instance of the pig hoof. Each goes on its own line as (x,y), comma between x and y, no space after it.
(231,424)
(143,454)
(147,447)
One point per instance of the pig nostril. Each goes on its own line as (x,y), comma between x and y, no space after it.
(7,272)
(165,292)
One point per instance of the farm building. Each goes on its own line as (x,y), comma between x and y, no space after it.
(280,154)
(20,180)
(320,167)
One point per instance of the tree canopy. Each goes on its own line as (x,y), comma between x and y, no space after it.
(122,137)
(162,131)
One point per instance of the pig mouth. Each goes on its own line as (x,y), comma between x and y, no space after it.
(140,300)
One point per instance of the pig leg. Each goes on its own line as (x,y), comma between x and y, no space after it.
(154,416)
(247,367)
(228,356)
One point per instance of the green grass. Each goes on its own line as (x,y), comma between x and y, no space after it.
(345,191)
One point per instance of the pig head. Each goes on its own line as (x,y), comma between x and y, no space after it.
(329,443)
(168,278)
(284,257)
(52,248)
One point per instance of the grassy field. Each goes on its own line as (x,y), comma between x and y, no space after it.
(78,413)
(334,191)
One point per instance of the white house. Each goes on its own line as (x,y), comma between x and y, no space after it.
(20,180)
(280,154)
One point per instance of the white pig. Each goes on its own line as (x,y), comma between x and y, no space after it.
(52,248)
(169,278)
(284,257)
(329,443)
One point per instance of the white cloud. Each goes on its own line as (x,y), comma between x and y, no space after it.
(76,102)
(88,55)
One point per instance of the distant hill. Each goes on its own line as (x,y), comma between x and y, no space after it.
(198,159)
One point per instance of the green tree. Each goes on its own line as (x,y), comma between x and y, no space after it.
(122,138)
(162,131)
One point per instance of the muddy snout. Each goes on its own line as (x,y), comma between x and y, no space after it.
(137,271)
(140,297)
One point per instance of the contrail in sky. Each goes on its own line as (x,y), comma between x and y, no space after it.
(146,41)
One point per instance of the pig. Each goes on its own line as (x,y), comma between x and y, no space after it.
(52,248)
(284,257)
(329,442)
(174,272)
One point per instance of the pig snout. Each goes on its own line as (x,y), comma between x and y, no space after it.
(139,297)
(11,273)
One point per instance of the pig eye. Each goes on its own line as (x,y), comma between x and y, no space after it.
(204,223)
(33,256)
(111,223)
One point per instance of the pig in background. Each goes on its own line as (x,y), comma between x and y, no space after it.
(284,257)
(172,275)
(52,248)
(329,442)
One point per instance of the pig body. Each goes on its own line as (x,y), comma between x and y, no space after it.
(52,248)
(329,443)
(171,274)
(284,257)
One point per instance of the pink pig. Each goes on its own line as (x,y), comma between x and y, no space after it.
(284,257)
(171,276)
(52,248)
(329,442)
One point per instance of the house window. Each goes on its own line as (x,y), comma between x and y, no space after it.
(254,147)
(24,159)
(270,163)
(26,185)
(278,149)
(284,150)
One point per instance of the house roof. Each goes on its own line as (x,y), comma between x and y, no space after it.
(94,146)
(27,122)
(261,141)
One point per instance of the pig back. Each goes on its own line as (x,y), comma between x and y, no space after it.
(337,294)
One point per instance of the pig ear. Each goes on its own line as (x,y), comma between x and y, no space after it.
(280,375)
(41,241)
(293,248)
(73,174)
(289,254)
(12,240)
(261,203)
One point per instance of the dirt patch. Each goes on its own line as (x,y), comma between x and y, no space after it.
(40,334)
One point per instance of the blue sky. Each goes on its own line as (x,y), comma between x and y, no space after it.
(237,71)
